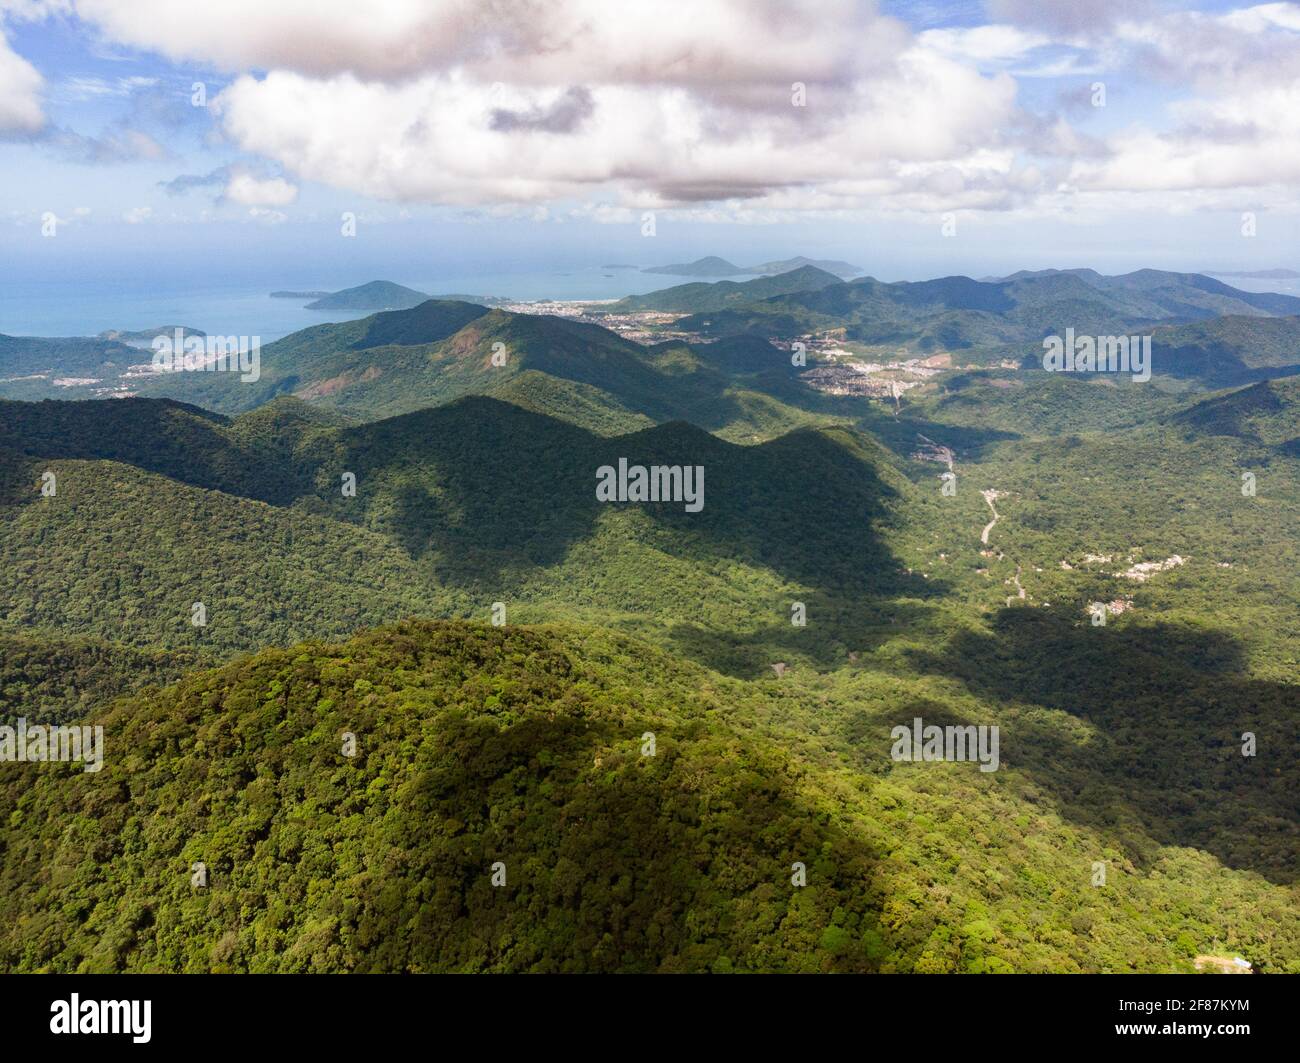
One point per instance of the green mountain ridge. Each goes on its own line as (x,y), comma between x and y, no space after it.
(709,266)
(267,487)
(1005,317)
(836,584)
(701,296)
(843,270)
(399,362)
(1267,413)
(22,356)
(374,295)
(479,752)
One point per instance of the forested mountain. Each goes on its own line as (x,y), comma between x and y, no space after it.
(61,679)
(1267,413)
(713,266)
(709,266)
(393,363)
(857,563)
(763,572)
(376,295)
(1009,316)
(502,809)
(694,298)
(1228,350)
(841,269)
(455,507)
(23,356)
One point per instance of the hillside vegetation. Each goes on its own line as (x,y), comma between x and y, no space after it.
(522,754)
(501,642)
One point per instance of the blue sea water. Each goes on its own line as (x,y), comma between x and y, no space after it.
(85,308)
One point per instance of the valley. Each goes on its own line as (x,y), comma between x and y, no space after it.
(398,533)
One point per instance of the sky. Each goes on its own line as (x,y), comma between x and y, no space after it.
(231,143)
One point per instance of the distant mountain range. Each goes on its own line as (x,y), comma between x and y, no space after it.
(843,270)
(718,295)
(1259,274)
(1003,317)
(395,361)
(712,266)
(376,295)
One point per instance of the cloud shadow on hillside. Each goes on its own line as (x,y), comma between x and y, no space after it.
(1169,704)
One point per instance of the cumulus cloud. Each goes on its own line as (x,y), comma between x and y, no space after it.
(449,138)
(20,93)
(722,42)
(445,104)
(517,104)
(564,115)
(1240,127)
(1243,140)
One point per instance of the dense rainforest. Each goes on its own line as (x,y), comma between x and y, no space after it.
(443,709)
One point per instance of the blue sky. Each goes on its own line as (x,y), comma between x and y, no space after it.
(462,145)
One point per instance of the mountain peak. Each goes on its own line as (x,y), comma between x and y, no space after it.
(373,295)
(709,266)
(426,322)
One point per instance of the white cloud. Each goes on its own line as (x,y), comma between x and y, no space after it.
(717,42)
(983,44)
(1263,17)
(524,104)
(20,93)
(1243,140)
(136,215)
(90,87)
(1240,129)
(434,139)
(247,190)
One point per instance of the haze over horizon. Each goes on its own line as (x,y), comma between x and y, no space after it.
(1113,136)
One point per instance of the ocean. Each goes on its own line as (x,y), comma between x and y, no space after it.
(86,308)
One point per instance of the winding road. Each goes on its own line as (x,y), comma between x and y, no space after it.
(989,496)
